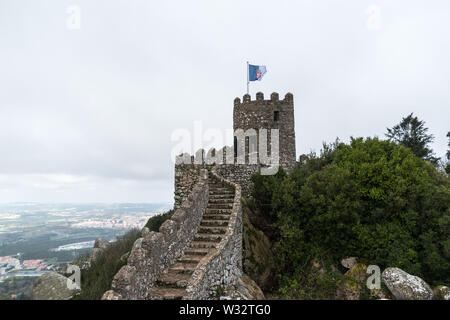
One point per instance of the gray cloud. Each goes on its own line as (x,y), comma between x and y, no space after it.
(88,114)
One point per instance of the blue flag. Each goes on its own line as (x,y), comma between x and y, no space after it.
(256,72)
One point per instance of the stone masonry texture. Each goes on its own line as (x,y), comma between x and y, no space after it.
(157,251)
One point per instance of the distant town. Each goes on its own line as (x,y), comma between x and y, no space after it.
(37,238)
(13,266)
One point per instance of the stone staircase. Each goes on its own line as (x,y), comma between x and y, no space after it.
(173,281)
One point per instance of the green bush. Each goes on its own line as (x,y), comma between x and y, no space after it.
(372,199)
(156,221)
(262,189)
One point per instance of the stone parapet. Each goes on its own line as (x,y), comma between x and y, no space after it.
(157,250)
(223,265)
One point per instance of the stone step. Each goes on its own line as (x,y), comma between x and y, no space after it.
(225,195)
(220,192)
(216,185)
(221,197)
(162,293)
(219,205)
(187,268)
(207,237)
(216,216)
(202,245)
(218,211)
(173,280)
(224,190)
(190,259)
(197,251)
(212,229)
(214,223)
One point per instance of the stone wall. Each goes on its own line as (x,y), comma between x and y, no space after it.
(239,174)
(223,266)
(186,175)
(157,250)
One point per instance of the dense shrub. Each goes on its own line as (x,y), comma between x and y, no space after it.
(156,221)
(370,198)
(263,187)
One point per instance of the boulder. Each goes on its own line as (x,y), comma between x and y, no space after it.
(349,262)
(124,279)
(99,246)
(405,286)
(243,289)
(145,231)
(52,286)
(101,243)
(111,295)
(441,293)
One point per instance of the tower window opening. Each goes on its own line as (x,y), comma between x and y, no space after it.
(276,115)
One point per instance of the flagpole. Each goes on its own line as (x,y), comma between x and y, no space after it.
(247,77)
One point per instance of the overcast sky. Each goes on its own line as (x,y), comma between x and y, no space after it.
(86,115)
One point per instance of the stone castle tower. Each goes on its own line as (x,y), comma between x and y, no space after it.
(248,116)
(199,249)
(268,114)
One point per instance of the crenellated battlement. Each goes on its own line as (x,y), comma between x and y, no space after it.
(225,155)
(274,98)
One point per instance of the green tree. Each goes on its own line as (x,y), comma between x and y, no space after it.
(372,199)
(412,133)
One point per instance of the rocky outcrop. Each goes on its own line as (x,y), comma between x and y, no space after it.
(145,231)
(100,246)
(52,286)
(243,289)
(405,286)
(111,295)
(400,285)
